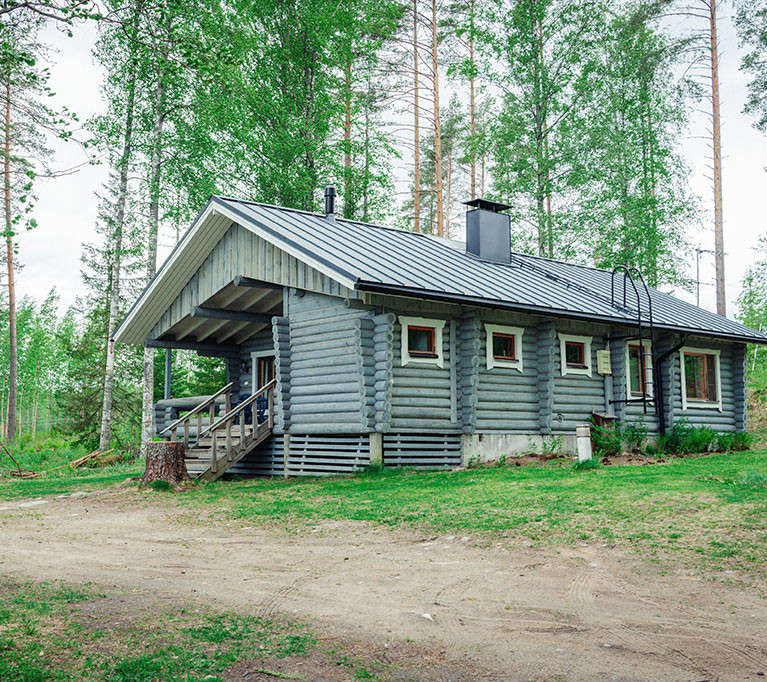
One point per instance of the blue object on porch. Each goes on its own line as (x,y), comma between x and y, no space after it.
(261,406)
(247,413)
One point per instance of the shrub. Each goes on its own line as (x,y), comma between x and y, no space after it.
(635,435)
(587,465)
(742,441)
(607,440)
(684,439)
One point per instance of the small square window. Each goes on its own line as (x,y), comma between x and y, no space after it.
(504,346)
(575,354)
(422,341)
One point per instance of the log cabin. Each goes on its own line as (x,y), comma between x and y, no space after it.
(348,344)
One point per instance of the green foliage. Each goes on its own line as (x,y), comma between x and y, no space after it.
(42,638)
(634,435)
(587,465)
(160,486)
(683,438)
(752,311)
(608,441)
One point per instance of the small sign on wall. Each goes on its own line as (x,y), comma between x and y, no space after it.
(604,365)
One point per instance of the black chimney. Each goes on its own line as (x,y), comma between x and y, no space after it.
(330,203)
(488,231)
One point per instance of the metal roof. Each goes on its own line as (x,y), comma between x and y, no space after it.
(396,261)
(380,259)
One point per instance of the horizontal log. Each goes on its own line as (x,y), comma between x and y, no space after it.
(322,390)
(242,281)
(215,348)
(350,407)
(233,315)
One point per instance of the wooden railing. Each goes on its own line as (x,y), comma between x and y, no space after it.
(226,423)
(209,405)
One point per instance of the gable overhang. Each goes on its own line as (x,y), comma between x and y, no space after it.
(188,255)
(460,299)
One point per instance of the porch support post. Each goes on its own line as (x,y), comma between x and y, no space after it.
(376,449)
(168,365)
(286,456)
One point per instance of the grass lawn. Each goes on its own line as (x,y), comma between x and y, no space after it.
(707,512)
(50,632)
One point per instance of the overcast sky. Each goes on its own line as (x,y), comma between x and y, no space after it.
(66,208)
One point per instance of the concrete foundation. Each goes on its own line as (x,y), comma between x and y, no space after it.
(490,447)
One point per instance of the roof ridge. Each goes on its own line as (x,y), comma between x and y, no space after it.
(315,214)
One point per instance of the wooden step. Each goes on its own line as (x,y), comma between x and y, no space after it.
(198,457)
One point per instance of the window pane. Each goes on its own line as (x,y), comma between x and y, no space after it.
(711,392)
(635,380)
(503,346)
(692,376)
(574,353)
(420,340)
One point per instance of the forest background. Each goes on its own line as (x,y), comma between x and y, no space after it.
(580,115)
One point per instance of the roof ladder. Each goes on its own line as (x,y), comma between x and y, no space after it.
(630,276)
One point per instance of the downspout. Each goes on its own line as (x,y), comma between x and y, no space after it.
(658,382)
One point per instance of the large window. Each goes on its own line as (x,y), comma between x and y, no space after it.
(700,378)
(504,346)
(575,353)
(422,340)
(639,369)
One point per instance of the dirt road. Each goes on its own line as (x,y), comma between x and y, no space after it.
(582,613)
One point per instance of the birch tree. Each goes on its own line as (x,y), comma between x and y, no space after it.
(545,51)
(121,89)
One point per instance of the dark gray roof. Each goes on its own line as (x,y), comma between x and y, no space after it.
(396,261)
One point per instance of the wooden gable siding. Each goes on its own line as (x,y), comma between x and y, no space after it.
(240,252)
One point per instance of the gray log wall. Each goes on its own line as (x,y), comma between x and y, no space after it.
(339,371)
(330,348)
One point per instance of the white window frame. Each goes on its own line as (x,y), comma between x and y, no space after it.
(586,341)
(438,325)
(699,404)
(517,333)
(254,356)
(649,383)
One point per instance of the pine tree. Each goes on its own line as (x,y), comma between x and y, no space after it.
(27,119)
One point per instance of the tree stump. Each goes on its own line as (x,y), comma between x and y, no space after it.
(165,462)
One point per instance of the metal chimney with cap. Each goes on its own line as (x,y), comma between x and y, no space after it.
(330,203)
(488,231)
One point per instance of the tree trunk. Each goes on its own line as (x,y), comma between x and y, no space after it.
(366,183)
(165,462)
(349,209)
(721,300)
(114,277)
(147,397)
(437,130)
(13,364)
(447,191)
(472,109)
(416,128)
